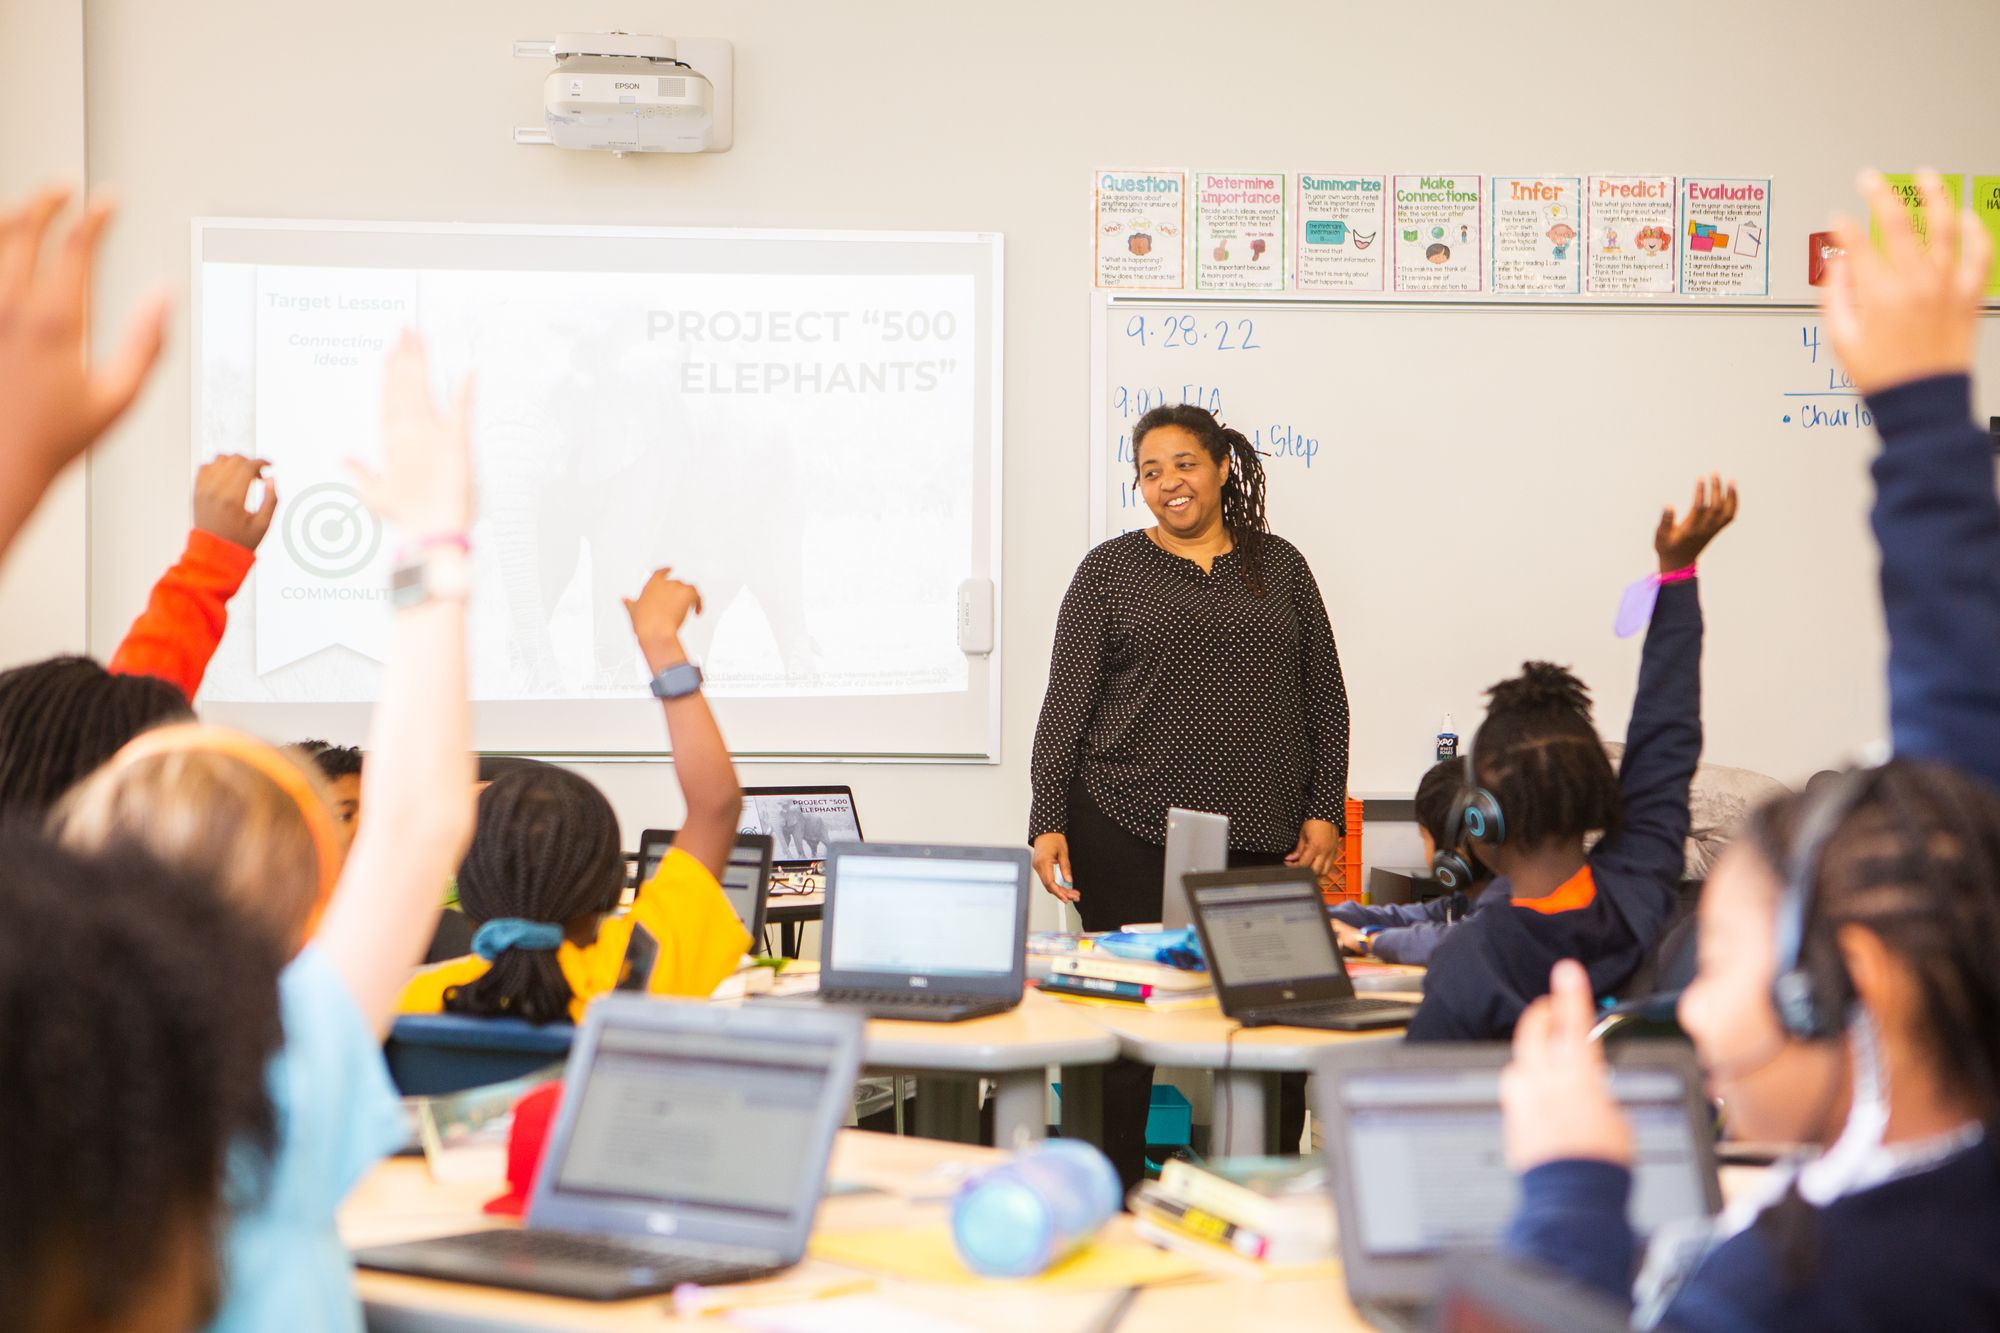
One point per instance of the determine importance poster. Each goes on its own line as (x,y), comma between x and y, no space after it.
(1239,223)
(1141,217)
(1338,245)
(1439,232)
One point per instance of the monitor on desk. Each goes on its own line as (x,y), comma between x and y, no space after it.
(802,822)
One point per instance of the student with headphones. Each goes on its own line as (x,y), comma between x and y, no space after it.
(1538,782)
(1847,997)
(1411,932)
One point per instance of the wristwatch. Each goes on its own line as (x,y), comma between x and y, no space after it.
(441,572)
(677,681)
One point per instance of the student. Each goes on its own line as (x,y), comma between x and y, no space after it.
(140,1014)
(1410,932)
(1893,1064)
(545,870)
(340,767)
(251,817)
(1538,760)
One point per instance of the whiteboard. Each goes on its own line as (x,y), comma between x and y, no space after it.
(1475,484)
(805,425)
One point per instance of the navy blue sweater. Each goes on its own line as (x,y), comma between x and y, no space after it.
(1492,966)
(1411,932)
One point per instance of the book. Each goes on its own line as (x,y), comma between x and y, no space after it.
(1106,968)
(1167,1236)
(1269,1195)
(1089,990)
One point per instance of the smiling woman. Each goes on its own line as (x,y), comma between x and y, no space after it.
(1194,666)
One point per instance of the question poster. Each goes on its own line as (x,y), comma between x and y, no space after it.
(1439,232)
(1986,207)
(1140,223)
(1725,237)
(1630,233)
(1338,245)
(1239,224)
(1536,235)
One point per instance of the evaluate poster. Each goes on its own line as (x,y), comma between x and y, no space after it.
(1537,224)
(1338,244)
(1239,223)
(1141,219)
(1725,234)
(1439,232)
(1630,234)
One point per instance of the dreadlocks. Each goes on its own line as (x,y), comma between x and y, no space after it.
(1243,492)
(61,718)
(1538,752)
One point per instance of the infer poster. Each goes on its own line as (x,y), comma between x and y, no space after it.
(1725,237)
(1986,207)
(1338,243)
(1239,226)
(1629,235)
(1439,231)
(1141,223)
(1906,187)
(1537,234)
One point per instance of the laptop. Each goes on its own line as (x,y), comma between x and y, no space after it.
(1414,1158)
(642,955)
(923,932)
(746,880)
(1489,1294)
(691,1146)
(1271,949)
(1197,844)
(803,822)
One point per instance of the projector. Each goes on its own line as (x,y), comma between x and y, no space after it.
(624,93)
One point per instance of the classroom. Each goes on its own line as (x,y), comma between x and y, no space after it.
(887,665)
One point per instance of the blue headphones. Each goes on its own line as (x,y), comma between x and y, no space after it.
(1812,994)
(1475,817)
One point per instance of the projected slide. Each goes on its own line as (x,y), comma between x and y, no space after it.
(799,444)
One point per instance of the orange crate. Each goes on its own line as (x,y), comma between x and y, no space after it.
(1344,884)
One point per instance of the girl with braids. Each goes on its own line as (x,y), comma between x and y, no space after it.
(545,869)
(1194,666)
(1540,784)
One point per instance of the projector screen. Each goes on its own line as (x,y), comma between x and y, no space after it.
(804,425)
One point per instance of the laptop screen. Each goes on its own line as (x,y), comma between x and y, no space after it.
(1429,1173)
(802,823)
(1259,934)
(743,879)
(696,1118)
(928,915)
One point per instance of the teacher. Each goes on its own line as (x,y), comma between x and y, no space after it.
(1194,666)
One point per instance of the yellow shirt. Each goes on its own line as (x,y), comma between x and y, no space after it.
(701,941)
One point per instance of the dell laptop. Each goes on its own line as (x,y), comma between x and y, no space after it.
(1271,949)
(691,1146)
(802,822)
(746,880)
(1417,1168)
(922,932)
(1197,844)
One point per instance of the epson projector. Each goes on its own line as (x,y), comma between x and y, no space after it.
(623,93)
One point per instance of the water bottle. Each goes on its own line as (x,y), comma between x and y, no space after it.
(1034,1210)
(1447,739)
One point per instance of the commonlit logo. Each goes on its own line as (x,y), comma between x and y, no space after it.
(330,532)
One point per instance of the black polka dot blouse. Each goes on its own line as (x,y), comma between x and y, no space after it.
(1170,686)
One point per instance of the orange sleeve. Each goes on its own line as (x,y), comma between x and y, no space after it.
(177,633)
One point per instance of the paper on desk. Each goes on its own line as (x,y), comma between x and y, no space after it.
(925,1254)
(849,1314)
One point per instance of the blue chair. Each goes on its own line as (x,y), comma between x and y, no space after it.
(430,1055)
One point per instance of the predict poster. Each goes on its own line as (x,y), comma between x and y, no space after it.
(1439,230)
(1986,207)
(1239,226)
(1537,234)
(1630,235)
(1905,186)
(1725,236)
(1338,245)
(1141,217)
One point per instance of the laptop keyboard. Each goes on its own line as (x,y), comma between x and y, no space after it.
(569,1247)
(1358,1007)
(917,1005)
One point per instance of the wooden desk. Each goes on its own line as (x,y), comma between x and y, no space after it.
(399,1201)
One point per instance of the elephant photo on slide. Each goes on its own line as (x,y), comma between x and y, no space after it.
(800,835)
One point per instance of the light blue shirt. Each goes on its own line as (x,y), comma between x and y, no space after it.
(338,1114)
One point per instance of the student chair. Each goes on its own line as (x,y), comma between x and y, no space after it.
(430,1055)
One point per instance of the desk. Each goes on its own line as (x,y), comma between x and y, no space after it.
(399,1201)
(788,911)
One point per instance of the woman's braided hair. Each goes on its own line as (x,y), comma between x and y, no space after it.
(1242,494)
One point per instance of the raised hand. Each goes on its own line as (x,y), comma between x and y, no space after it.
(1554,1094)
(221,490)
(425,485)
(1679,541)
(658,613)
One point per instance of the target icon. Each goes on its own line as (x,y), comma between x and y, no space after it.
(330,532)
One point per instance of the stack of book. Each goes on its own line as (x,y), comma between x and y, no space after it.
(1093,975)
(1264,1212)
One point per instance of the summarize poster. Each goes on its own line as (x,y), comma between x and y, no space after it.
(1725,237)
(1905,186)
(1986,207)
(1141,219)
(1537,234)
(1439,231)
(1239,222)
(1630,235)
(1338,245)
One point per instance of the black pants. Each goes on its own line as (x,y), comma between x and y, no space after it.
(1118,878)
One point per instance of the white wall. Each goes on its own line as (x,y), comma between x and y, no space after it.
(929,115)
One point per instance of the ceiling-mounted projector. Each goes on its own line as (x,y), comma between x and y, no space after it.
(626,93)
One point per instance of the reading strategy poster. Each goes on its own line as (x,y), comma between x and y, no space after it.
(1439,232)
(1140,219)
(1724,234)
(1630,234)
(1339,246)
(1239,225)
(1986,206)
(1536,221)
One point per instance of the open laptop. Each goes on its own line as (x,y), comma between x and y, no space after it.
(746,880)
(803,822)
(1271,949)
(1197,844)
(923,932)
(1489,1294)
(1415,1162)
(691,1146)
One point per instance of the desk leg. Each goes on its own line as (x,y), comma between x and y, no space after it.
(948,1109)
(1246,1113)
(1020,1108)
(1083,1103)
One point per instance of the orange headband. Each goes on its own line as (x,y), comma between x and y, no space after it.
(198,737)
